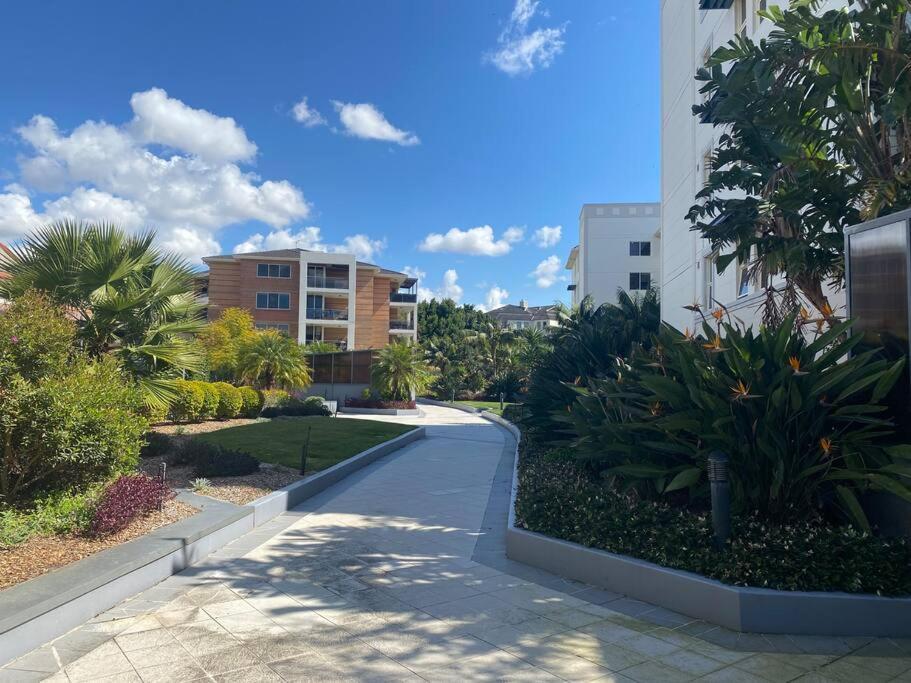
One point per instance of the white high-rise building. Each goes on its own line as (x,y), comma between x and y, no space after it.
(691,30)
(619,248)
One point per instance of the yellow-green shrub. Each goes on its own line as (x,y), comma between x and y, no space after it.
(230,401)
(253,401)
(211,400)
(187,404)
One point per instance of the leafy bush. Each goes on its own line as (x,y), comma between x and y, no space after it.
(561,497)
(293,407)
(400,371)
(211,400)
(126,499)
(802,422)
(210,460)
(156,445)
(188,402)
(252,401)
(156,413)
(275,398)
(59,513)
(69,431)
(586,345)
(272,359)
(230,402)
(36,339)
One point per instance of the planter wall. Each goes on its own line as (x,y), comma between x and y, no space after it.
(751,610)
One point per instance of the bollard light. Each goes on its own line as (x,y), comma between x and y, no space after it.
(721,496)
(501,401)
(162,471)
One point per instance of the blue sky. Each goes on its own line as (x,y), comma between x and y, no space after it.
(421,117)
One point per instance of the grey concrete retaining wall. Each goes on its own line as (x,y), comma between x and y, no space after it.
(277,502)
(42,609)
(751,610)
(408,412)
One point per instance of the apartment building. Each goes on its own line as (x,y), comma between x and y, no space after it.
(316,296)
(691,30)
(619,248)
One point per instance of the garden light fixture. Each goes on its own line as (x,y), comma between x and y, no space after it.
(721,496)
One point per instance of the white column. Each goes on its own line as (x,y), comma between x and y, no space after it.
(302,303)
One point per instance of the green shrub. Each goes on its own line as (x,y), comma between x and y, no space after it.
(561,497)
(156,445)
(293,407)
(210,460)
(210,400)
(252,401)
(68,431)
(188,402)
(230,401)
(802,422)
(36,339)
(156,414)
(275,398)
(64,512)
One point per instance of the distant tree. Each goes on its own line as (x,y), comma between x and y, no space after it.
(400,371)
(272,360)
(223,340)
(445,318)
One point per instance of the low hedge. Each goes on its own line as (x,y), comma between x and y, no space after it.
(293,407)
(131,496)
(252,401)
(230,402)
(188,403)
(210,460)
(211,400)
(558,497)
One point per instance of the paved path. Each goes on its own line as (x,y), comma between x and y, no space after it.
(398,573)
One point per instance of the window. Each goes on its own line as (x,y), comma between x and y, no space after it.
(273,270)
(273,300)
(708,282)
(706,165)
(314,334)
(314,301)
(743,279)
(706,56)
(640,248)
(740,15)
(640,281)
(281,327)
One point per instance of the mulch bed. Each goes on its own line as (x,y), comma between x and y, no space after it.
(41,554)
(237,490)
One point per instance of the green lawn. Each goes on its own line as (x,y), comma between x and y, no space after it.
(490,406)
(331,439)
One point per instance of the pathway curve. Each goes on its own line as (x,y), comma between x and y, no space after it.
(398,573)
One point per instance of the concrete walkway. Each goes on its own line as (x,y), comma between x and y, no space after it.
(398,573)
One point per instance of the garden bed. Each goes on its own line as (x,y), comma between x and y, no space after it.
(190,428)
(41,554)
(557,497)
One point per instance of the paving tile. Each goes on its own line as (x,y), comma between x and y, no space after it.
(215,663)
(770,668)
(144,639)
(732,674)
(173,672)
(255,674)
(11,675)
(105,660)
(690,662)
(157,655)
(651,671)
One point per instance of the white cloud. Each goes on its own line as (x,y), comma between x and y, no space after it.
(307,115)
(102,171)
(366,121)
(520,52)
(450,289)
(547,236)
(496,297)
(167,121)
(415,272)
(477,241)
(546,273)
(190,243)
(514,235)
(362,246)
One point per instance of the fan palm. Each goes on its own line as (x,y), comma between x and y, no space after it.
(129,299)
(494,341)
(400,371)
(273,360)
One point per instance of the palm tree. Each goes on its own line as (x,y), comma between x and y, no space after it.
(274,360)
(128,298)
(400,371)
(494,341)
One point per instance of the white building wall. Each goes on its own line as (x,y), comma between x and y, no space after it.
(604,264)
(687,33)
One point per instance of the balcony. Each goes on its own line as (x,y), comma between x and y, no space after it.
(403,298)
(327,314)
(715,4)
(401,325)
(324,282)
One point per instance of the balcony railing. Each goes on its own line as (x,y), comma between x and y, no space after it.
(327,313)
(339,344)
(327,282)
(403,298)
(401,325)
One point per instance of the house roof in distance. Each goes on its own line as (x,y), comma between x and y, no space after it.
(523,311)
(295,254)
